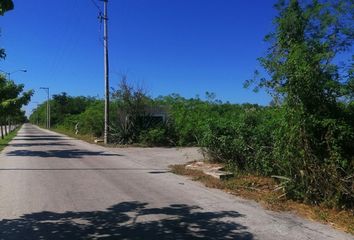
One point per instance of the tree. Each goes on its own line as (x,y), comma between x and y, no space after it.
(304,47)
(131,117)
(12,98)
(6,5)
(314,144)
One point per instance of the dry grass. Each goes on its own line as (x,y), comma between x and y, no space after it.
(267,192)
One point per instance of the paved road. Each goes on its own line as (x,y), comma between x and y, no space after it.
(55,187)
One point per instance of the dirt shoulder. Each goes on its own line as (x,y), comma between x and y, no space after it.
(269,194)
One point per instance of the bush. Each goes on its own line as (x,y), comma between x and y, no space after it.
(244,141)
(315,156)
(89,121)
(92,120)
(154,136)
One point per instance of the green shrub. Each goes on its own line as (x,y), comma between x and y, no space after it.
(244,141)
(154,136)
(315,156)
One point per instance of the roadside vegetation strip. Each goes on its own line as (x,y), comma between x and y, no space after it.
(91,139)
(269,194)
(5,142)
(84,137)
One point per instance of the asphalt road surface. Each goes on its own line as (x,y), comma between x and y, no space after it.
(55,187)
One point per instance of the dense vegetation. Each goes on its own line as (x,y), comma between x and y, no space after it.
(12,97)
(67,111)
(305,138)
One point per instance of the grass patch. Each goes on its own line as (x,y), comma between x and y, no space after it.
(269,194)
(5,142)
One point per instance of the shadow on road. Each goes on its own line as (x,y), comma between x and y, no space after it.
(153,171)
(71,153)
(28,136)
(127,220)
(39,144)
(42,138)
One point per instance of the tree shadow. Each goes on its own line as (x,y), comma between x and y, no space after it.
(39,144)
(83,169)
(159,171)
(127,220)
(70,153)
(41,138)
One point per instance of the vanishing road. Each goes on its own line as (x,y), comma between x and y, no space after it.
(54,187)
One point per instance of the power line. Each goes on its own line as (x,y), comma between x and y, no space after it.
(67,42)
(98,7)
(100,17)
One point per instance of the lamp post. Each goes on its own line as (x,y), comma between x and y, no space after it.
(48,106)
(9,73)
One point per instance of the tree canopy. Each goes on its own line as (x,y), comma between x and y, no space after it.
(304,51)
(6,5)
(12,98)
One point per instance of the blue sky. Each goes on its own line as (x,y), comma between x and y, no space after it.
(167,46)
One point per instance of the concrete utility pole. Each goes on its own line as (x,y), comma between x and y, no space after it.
(48,106)
(106,72)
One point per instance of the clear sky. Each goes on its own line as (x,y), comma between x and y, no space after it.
(167,46)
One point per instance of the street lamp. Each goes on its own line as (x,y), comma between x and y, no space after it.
(48,106)
(9,73)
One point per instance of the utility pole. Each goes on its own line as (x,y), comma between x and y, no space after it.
(106,72)
(48,107)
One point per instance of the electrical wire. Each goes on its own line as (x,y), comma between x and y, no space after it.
(100,16)
(98,7)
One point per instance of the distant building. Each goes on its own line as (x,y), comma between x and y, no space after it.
(158,113)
